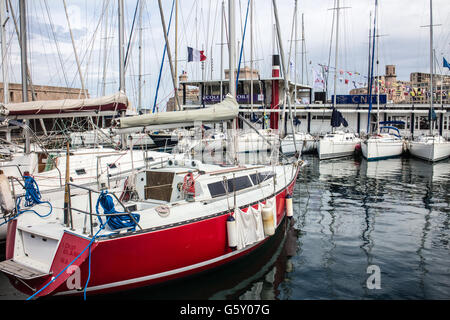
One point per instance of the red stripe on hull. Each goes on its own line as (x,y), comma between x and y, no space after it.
(142,259)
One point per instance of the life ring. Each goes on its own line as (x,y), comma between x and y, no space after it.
(189,184)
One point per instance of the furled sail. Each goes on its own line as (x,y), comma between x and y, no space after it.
(115,102)
(337,119)
(228,109)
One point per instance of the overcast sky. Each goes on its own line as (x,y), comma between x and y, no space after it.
(402,42)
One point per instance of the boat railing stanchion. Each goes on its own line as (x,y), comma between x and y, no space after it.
(90,214)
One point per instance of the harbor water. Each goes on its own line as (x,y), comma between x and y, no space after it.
(361,230)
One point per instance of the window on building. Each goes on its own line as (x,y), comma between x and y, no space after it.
(424,124)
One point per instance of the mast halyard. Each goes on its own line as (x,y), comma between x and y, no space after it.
(140,82)
(285,72)
(169,55)
(431,68)
(336,56)
(24,64)
(121,47)
(3,21)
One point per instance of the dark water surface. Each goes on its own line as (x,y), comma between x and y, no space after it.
(349,214)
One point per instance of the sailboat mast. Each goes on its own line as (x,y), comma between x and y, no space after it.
(295,57)
(378,76)
(121,47)
(431,67)
(232,47)
(369,56)
(251,55)
(221,48)
(83,88)
(23,58)
(169,55)
(336,54)
(141,7)
(3,21)
(105,53)
(285,73)
(176,56)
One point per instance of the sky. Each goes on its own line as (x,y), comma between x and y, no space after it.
(403,41)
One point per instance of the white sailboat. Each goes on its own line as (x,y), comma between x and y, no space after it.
(432,147)
(338,143)
(304,141)
(387,142)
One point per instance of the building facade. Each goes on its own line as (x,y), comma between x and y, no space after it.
(42,93)
(414,91)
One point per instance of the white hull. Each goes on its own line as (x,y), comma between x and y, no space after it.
(430,151)
(304,144)
(337,145)
(377,149)
(331,149)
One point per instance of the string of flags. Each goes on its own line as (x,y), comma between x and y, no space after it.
(357,79)
(361,82)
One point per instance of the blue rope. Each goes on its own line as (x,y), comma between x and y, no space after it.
(32,197)
(242,47)
(115,221)
(102,226)
(162,62)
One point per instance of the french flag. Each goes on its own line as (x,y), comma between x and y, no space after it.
(195,55)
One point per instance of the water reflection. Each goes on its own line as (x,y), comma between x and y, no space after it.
(348,214)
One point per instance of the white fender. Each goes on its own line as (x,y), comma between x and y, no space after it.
(268,221)
(6,198)
(232,232)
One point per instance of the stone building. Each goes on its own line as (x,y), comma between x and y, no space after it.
(420,82)
(42,93)
(192,94)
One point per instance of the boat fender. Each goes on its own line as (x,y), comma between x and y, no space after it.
(268,223)
(289,208)
(6,198)
(232,232)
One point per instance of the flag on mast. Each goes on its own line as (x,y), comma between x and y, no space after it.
(446,65)
(195,55)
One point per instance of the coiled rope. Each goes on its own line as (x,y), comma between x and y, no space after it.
(115,221)
(32,197)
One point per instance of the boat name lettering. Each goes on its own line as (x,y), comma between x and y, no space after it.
(70,250)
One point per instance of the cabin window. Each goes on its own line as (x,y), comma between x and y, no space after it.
(112,165)
(259,177)
(217,189)
(80,171)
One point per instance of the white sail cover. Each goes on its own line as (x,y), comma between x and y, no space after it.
(228,109)
(115,102)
